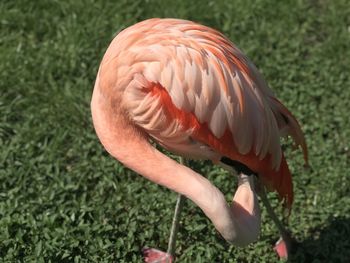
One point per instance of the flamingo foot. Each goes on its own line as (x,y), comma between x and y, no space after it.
(286,247)
(281,249)
(152,255)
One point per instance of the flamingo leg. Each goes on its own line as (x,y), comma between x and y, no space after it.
(175,225)
(176,220)
(284,244)
(157,256)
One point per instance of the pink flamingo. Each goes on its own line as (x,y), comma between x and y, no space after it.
(186,87)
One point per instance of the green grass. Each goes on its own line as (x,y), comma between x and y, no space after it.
(63,199)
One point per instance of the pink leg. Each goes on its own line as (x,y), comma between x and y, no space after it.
(284,245)
(152,255)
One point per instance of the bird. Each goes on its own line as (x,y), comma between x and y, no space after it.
(188,89)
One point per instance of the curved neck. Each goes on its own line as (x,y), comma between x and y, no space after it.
(238,224)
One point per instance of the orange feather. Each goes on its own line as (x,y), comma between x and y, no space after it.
(279,180)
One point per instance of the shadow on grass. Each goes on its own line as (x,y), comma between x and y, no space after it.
(330,244)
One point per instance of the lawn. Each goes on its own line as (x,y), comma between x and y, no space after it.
(64,199)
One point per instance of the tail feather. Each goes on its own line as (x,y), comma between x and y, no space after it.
(286,184)
(280,180)
(289,125)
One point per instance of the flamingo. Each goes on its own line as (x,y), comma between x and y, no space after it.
(189,89)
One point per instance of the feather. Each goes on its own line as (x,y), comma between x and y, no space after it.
(187,84)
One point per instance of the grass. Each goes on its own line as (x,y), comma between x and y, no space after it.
(63,199)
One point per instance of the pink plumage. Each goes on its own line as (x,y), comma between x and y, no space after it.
(188,88)
(212,88)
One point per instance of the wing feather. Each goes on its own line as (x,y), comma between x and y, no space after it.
(191,89)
